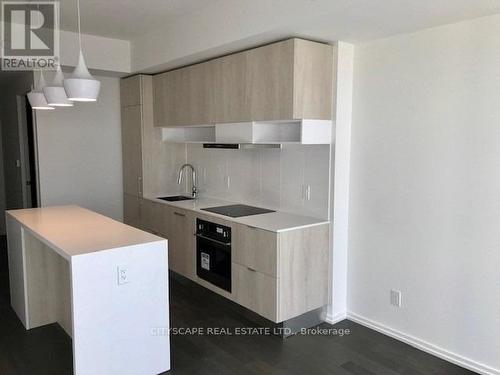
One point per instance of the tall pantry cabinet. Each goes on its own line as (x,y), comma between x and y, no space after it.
(137,115)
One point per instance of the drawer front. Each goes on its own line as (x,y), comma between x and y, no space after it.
(255,291)
(256,248)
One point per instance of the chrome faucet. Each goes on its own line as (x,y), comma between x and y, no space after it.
(194,190)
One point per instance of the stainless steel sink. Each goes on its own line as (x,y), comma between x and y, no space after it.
(176,198)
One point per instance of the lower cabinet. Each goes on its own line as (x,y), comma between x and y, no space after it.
(182,251)
(276,275)
(132,210)
(281,275)
(255,291)
(152,216)
(255,248)
(174,224)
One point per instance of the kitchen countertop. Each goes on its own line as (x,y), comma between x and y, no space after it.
(274,222)
(73,230)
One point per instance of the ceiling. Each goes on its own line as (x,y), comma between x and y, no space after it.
(351,20)
(125,19)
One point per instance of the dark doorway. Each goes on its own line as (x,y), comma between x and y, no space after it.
(31,181)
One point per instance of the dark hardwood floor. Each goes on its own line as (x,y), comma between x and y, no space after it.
(47,350)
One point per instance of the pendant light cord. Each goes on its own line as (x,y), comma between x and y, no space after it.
(79,26)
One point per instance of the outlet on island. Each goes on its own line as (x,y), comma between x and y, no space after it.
(123,275)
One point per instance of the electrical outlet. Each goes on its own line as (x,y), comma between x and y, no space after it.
(396,298)
(123,275)
(306,192)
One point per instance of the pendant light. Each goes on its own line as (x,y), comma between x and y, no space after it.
(55,94)
(81,86)
(35,96)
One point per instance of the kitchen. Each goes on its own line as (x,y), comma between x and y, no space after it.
(248,198)
(212,228)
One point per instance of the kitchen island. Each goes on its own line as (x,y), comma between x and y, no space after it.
(105,283)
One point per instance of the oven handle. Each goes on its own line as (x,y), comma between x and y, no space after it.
(212,240)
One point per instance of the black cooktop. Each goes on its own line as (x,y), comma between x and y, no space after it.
(237,210)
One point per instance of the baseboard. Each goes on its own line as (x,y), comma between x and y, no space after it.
(424,346)
(333,319)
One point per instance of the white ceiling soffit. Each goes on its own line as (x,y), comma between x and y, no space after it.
(169,33)
(125,19)
(223,26)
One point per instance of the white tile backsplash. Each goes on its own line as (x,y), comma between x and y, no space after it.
(317,177)
(270,178)
(292,178)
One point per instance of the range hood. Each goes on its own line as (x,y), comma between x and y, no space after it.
(256,134)
(241,146)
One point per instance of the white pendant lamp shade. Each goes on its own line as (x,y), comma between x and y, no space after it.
(36,98)
(81,86)
(55,93)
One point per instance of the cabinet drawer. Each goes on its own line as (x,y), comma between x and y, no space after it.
(256,248)
(255,291)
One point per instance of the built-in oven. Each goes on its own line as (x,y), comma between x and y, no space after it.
(213,253)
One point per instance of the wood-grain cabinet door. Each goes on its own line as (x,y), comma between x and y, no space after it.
(269,81)
(231,95)
(152,216)
(182,258)
(313,80)
(303,270)
(131,91)
(256,291)
(185,96)
(132,149)
(256,248)
(132,210)
(201,91)
(159,99)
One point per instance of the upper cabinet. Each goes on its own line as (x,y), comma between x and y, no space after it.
(231,89)
(287,80)
(185,96)
(313,80)
(270,82)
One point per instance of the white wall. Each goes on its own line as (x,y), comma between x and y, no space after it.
(104,54)
(271,178)
(339,184)
(425,189)
(80,158)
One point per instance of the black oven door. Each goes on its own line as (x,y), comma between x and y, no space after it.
(213,262)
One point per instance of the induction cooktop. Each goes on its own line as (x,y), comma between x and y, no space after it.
(237,210)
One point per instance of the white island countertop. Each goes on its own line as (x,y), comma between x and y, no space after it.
(73,230)
(278,221)
(102,281)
